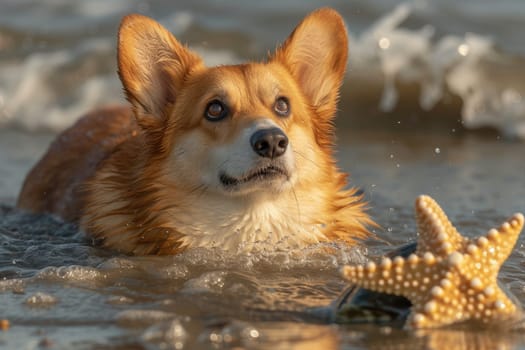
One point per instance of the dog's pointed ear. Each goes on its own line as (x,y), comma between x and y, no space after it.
(152,66)
(316,54)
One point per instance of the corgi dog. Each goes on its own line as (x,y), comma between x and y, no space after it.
(235,157)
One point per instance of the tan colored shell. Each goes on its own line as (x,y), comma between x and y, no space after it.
(450,278)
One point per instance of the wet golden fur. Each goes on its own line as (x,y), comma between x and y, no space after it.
(137,181)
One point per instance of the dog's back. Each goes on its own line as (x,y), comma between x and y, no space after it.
(54,185)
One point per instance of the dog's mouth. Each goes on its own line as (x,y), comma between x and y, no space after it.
(261,174)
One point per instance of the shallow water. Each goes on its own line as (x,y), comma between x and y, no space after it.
(420,97)
(57,288)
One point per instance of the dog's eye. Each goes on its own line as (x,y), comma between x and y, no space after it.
(282,106)
(215,111)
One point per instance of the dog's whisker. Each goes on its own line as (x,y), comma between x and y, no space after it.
(220,167)
(197,188)
(203,190)
(297,205)
(306,158)
(180,152)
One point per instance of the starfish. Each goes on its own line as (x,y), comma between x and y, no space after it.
(450,278)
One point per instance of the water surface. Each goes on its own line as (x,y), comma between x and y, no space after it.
(57,287)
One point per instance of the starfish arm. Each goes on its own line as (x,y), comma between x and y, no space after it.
(412,277)
(436,232)
(461,295)
(443,306)
(494,248)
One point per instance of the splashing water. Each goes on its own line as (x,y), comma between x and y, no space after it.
(490,83)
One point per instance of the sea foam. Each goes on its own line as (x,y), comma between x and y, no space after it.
(490,83)
(50,88)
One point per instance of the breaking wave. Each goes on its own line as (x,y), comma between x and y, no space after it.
(50,87)
(490,83)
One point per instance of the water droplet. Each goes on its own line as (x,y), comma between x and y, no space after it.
(463,49)
(215,337)
(384,43)
(509,96)
(40,299)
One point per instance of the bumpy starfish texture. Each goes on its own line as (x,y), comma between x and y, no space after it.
(450,278)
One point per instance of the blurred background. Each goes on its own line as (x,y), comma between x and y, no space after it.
(440,64)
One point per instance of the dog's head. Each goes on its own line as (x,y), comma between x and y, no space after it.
(254,128)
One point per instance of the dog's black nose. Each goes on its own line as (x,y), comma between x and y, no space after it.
(269,143)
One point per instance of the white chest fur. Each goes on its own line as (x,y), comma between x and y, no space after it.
(241,226)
